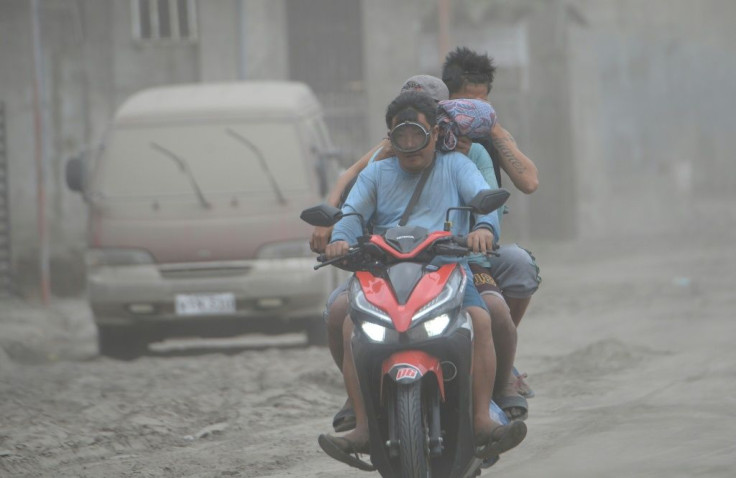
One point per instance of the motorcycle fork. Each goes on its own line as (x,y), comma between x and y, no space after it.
(435,427)
(393,440)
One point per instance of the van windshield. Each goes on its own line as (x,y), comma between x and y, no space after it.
(133,166)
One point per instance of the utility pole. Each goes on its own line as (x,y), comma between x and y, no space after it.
(40,154)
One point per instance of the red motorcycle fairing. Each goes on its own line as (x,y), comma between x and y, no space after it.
(378,292)
(410,366)
(431,237)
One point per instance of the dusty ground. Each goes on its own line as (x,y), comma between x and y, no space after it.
(628,345)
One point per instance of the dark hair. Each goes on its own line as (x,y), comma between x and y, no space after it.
(466,66)
(408,105)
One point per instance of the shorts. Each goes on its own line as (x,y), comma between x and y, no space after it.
(483,281)
(515,271)
(471,297)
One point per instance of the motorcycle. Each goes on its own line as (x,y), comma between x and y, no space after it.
(412,344)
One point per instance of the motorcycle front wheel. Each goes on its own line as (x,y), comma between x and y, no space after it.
(412,431)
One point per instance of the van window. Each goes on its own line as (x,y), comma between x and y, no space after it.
(224,158)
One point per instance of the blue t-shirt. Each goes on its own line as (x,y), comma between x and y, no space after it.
(383,190)
(482,160)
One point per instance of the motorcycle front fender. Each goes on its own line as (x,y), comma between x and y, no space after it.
(410,366)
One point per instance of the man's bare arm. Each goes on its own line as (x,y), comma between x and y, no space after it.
(520,169)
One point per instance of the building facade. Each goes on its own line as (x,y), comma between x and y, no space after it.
(598,93)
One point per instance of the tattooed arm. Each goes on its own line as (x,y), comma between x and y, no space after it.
(520,169)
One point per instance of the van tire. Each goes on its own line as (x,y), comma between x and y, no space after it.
(121,342)
(316,332)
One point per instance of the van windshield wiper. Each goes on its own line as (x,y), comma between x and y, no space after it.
(261,160)
(184,167)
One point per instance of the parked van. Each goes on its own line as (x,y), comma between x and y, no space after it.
(194,205)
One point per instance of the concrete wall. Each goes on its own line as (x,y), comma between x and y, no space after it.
(391,52)
(606,96)
(552,208)
(243,40)
(654,112)
(264,55)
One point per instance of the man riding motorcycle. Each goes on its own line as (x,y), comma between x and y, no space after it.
(381,195)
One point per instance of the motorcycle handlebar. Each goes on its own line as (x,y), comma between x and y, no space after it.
(323,261)
(460,241)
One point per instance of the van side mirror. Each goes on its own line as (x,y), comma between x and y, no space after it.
(333,154)
(340,156)
(323,215)
(489,200)
(75,173)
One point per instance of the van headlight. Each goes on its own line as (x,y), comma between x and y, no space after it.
(116,257)
(285,250)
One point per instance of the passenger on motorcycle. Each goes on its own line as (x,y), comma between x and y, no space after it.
(469,75)
(462,121)
(514,265)
(380,195)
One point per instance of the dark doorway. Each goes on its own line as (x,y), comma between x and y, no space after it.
(326,52)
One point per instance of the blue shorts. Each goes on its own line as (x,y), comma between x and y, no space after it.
(472,298)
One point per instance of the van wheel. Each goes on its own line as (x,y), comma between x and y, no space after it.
(121,342)
(316,332)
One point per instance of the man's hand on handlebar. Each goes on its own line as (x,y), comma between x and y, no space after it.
(337,249)
(480,240)
(320,238)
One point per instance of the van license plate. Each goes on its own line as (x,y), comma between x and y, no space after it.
(205,304)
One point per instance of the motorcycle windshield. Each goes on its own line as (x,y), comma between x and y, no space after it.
(403,277)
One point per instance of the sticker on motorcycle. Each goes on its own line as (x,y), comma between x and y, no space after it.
(406,373)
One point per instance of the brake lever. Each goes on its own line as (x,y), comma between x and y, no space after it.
(325,262)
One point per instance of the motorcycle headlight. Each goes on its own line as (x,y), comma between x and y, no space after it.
(436,326)
(375,332)
(359,301)
(285,250)
(429,329)
(116,257)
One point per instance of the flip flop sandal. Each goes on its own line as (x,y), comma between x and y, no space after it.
(344,419)
(503,438)
(509,403)
(343,450)
(520,384)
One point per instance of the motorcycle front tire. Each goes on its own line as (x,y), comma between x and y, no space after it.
(412,431)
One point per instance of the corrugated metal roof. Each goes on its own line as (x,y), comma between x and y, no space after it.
(251,99)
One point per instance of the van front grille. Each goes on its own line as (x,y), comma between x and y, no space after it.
(197,271)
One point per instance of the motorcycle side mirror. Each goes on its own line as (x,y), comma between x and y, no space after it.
(75,174)
(489,200)
(323,215)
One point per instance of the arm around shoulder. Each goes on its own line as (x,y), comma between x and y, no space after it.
(333,198)
(321,235)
